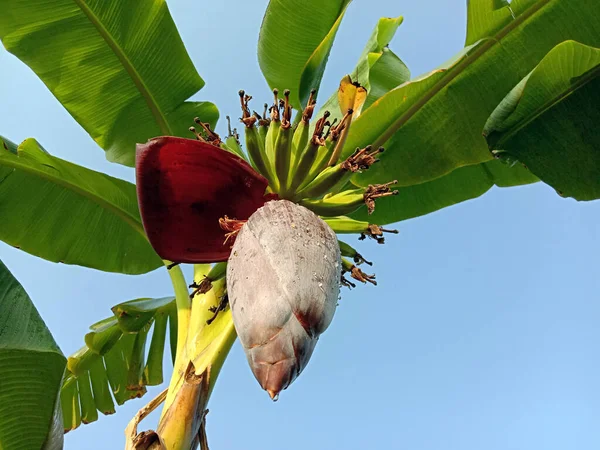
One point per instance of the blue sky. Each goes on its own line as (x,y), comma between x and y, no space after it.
(482,334)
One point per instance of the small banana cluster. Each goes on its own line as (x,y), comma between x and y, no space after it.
(301,161)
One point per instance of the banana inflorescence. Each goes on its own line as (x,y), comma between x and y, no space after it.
(286,265)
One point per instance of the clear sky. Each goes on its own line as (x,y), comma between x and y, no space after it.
(482,334)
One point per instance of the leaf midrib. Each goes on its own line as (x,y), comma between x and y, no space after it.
(128,218)
(455,71)
(129,68)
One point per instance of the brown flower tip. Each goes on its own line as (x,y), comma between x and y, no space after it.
(375,191)
(360,259)
(317,137)
(287,111)
(336,131)
(232,226)
(310,107)
(376,232)
(274,110)
(209,135)
(222,306)
(232,132)
(361,159)
(359,275)
(264,120)
(346,282)
(247,118)
(202,288)
(199,137)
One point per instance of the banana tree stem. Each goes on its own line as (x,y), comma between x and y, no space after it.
(184,310)
(184,307)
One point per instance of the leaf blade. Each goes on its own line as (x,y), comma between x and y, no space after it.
(112,366)
(546,121)
(485,17)
(460,185)
(93,56)
(31,369)
(378,69)
(44,196)
(303,55)
(421,143)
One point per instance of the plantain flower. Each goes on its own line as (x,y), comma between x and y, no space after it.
(205,200)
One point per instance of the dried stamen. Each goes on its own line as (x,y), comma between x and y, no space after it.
(375,191)
(346,282)
(247,118)
(275,108)
(222,306)
(310,107)
(376,232)
(232,132)
(337,130)
(211,137)
(287,111)
(330,125)
(359,275)
(360,259)
(361,159)
(198,135)
(202,288)
(232,226)
(317,137)
(264,121)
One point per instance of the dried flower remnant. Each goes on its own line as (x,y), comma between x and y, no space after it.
(362,159)
(376,232)
(375,191)
(359,275)
(232,228)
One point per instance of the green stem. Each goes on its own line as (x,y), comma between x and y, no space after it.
(184,306)
(184,309)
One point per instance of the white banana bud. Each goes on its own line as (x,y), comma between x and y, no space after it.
(283,282)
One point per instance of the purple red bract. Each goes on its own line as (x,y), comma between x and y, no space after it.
(184,187)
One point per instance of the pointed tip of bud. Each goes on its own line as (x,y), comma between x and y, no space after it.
(273,394)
